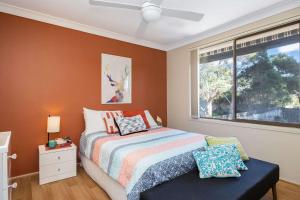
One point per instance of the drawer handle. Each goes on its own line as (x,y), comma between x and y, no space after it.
(58,157)
(58,169)
(13,156)
(14,185)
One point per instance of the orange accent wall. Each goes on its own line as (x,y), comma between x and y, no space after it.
(47,69)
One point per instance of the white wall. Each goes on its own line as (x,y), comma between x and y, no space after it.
(275,144)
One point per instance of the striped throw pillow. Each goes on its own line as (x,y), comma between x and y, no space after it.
(109,121)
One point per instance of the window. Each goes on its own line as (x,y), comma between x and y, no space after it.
(215,82)
(254,78)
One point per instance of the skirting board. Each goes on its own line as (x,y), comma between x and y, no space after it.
(24,175)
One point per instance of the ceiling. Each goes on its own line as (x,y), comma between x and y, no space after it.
(164,34)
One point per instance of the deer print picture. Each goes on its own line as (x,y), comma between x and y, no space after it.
(116,79)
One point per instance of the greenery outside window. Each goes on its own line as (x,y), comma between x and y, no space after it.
(215,81)
(255,78)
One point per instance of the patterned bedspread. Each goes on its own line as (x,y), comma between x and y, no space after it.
(143,160)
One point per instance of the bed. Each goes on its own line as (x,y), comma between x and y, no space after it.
(126,166)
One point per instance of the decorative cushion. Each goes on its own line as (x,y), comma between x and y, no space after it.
(215,162)
(234,155)
(109,121)
(93,121)
(213,141)
(129,125)
(137,112)
(151,121)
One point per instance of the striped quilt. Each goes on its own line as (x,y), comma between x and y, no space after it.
(143,160)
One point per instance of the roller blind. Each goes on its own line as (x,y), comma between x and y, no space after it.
(216,52)
(271,39)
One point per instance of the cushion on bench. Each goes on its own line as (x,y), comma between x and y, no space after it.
(252,185)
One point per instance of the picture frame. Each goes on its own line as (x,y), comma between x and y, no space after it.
(116,79)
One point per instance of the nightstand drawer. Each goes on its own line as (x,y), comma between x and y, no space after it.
(57,169)
(57,177)
(57,157)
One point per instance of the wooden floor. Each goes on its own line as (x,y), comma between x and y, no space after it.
(82,187)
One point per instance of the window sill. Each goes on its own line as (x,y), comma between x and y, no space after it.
(281,129)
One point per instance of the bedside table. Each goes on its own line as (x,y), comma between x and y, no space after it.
(56,164)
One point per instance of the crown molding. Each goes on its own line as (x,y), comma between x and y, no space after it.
(244,20)
(38,16)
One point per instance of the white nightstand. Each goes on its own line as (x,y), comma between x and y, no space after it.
(57,164)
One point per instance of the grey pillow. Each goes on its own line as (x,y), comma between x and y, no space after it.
(128,125)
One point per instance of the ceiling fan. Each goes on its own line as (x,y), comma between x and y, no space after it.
(151,11)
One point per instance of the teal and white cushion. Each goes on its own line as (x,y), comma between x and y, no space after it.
(215,162)
(235,155)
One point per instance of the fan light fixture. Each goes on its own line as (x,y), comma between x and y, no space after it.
(151,12)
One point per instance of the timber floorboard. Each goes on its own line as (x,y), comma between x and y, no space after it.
(82,187)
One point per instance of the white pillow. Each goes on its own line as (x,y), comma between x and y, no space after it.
(150,119)
(93,121)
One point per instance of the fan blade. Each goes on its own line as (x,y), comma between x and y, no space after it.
(156,2)
(115,4)
(141,29)
(188,15)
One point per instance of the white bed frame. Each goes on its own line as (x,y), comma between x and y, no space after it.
(109,185)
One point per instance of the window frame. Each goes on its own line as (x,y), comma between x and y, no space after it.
(234,83)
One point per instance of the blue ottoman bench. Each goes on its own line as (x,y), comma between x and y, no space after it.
(252,185)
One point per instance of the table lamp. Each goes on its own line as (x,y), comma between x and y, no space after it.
(53,125)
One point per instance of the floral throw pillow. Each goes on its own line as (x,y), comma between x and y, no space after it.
(235,156)
(215,162)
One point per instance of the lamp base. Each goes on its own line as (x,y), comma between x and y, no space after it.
(52,144)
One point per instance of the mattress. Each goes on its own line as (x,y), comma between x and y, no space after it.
(141,161)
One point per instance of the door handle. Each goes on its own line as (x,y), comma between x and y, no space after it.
(13,156)
(13,186)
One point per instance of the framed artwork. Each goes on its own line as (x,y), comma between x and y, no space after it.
(115,79)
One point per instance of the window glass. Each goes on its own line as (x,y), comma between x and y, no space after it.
(215,81)
(268,76)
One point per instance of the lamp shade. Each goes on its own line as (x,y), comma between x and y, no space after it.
(53,124)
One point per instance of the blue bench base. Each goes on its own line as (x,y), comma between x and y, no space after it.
(252,185)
